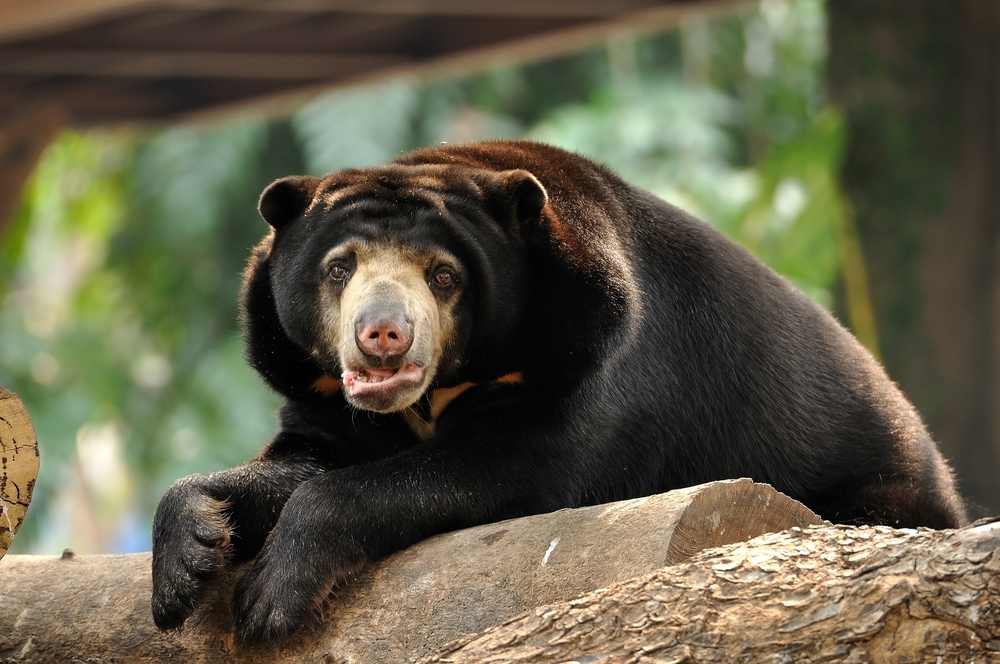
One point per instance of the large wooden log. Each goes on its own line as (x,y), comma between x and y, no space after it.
(402,608)
(823,594)
(18,465)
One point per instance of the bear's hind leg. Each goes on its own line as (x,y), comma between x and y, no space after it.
(900,503)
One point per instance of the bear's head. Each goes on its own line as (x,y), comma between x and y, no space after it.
(385,282)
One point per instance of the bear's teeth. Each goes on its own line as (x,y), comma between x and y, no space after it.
(367,377)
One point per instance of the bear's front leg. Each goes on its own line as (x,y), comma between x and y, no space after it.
(335,523)
(204,521)
(320,540)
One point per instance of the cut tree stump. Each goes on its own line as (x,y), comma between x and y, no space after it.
(96,608)
(18,465)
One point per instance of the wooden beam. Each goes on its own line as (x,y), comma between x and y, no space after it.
(186,64)
(92,102)
(206,85)
(21,145)
(522,50)
(24,18)
(535,8)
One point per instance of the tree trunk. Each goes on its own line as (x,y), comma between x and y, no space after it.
(21,145)
(919,81)
(824,594)
(406,606)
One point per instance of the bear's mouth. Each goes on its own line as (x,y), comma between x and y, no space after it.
(367,382)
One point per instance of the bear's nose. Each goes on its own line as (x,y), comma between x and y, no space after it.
(383,333)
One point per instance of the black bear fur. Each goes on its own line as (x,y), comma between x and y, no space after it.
(604,345)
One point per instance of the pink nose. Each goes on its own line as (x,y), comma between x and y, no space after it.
(384,335)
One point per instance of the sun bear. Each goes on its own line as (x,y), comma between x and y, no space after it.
(478,332)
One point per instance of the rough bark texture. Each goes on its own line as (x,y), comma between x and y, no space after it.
(404,607)
(18,465)
(823,594)
(919,82)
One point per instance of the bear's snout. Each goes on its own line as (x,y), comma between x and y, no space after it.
(383,333)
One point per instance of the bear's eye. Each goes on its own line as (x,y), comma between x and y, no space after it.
(338,271)
(444,277)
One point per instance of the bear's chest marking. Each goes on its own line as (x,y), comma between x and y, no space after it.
(326,385)
(424,425)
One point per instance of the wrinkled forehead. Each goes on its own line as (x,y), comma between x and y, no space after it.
(421,208)
(427,185)
(365,226)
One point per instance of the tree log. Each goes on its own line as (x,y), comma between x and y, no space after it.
(18,465)
(402,608)
(823,594)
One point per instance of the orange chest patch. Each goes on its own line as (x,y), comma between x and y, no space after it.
(440,399)
(327,385)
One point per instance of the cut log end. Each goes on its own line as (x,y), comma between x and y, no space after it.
(18,465)
(733,511)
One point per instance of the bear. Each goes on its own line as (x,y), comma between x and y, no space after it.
(477,332)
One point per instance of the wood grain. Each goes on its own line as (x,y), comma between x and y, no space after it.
(18,465)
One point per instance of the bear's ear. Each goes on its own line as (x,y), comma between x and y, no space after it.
(286,199)
(526,192)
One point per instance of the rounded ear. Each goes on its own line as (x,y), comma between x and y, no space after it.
(526,192)
(286,199)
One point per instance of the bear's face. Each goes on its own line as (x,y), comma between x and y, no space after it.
(380,276)
(389,317)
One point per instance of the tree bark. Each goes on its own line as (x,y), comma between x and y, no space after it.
(18,465)
(402,608)
(823,594)
(919,82)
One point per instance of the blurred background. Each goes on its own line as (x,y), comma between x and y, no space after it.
(852,146)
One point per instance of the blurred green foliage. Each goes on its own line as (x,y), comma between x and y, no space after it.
(119,276)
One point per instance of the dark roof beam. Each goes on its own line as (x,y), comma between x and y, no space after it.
(526,8)
(20,18)
(145,64)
